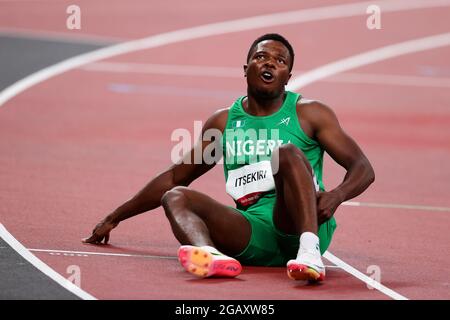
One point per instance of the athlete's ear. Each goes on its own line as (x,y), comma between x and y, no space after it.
(245,70)
(290,75)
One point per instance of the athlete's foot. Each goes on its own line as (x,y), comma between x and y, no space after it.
(207,263)
(307,266)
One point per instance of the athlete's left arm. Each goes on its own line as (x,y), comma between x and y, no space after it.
(346,152)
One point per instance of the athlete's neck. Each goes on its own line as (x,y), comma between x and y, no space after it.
(262,106)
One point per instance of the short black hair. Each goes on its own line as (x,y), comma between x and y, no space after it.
(275,37)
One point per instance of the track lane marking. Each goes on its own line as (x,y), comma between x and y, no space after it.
(214,29)
(363,277)
(236,26)
(110,254)
(355,61)
(370,57)
(230,72)
(395,206)
(41,266)
(121,255)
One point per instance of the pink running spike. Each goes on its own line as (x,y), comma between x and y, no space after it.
(202,263)
(297,271)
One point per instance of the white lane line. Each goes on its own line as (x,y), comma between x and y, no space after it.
(165,69)
(370,57)
(389,80)
(41,266)
(395,206)
(356,61)
(90,253)
(122,255)
(364,278)
(239,25)
(229,72)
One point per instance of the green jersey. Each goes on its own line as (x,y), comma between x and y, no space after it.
(248,142)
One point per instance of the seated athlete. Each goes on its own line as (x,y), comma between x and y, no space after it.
(273,143)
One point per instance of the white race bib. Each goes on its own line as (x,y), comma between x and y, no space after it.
(246,184)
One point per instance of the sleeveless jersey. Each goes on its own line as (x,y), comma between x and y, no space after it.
(248,142)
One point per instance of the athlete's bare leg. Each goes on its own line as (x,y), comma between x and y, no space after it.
(203,226)
(199,220)
(296,205)
(295,211)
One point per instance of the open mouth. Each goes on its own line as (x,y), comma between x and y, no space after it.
(266,76)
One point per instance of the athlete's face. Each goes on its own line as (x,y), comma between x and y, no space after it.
(267,70)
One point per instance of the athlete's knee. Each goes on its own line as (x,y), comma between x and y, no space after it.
(174,197)
(288,156)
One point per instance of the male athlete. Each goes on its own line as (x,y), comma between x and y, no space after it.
(273,143)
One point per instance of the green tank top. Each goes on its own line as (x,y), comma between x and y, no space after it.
(248,142)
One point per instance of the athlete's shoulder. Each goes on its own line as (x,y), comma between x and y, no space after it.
(310,104)
(315,115)
(222,112)
(313,109)
(218,120)
(221,115)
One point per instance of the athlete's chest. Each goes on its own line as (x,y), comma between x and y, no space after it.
(246,139)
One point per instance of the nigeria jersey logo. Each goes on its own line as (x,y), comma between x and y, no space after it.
(238,124)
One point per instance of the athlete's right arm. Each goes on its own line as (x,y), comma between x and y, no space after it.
(180,174)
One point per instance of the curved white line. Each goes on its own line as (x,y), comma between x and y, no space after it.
(41,266)
(356,61)
(364,278)
(369,57)
(315,14)
(239,25)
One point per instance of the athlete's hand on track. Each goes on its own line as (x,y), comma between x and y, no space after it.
(327,203)
(101,232)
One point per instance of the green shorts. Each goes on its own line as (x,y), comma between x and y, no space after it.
(269,246)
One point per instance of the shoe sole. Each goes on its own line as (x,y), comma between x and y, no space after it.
(202,263)
(304,272)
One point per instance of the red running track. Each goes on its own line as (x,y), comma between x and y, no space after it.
(77,145)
